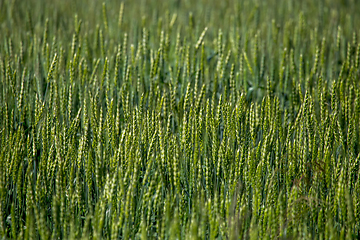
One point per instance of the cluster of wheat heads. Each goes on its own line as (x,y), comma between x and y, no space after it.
(180,120)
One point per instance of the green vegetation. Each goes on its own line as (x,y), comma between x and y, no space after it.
(179,119)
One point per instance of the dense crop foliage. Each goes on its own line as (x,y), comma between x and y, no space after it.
(179,119)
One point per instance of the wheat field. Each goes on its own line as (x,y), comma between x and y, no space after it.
(179,119)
